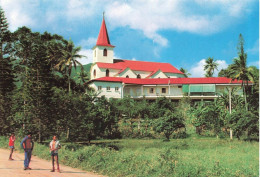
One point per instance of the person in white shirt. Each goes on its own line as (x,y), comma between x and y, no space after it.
(54,147)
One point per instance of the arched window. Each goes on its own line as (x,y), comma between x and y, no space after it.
(127,76)
(107,73)
(138,76)
(94,73)
(105,52)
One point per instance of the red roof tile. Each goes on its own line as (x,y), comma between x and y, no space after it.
(163,81)
(103,38)
(140,66)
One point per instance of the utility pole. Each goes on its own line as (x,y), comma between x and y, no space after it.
(230,130)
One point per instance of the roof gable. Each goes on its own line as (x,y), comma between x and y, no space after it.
(156,73)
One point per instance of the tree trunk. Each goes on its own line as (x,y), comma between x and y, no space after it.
(69,83)
(68,133)
(244,89)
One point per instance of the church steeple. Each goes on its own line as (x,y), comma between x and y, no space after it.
(103,50)
(103,38)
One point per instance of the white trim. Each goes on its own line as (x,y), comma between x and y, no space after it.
(234,84)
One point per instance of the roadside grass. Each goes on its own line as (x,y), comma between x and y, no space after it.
(194,156)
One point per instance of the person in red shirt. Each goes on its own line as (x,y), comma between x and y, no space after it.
(11,145)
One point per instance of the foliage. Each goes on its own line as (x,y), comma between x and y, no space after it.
(244,122)
(185,72)
(7,77)
(210,117)
(210,66)
(168,123)
(39,92)
(67,58)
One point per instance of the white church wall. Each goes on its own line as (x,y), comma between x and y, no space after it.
(98,54)
(98,72)
(112,72)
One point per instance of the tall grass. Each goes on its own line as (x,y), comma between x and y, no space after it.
(186,157)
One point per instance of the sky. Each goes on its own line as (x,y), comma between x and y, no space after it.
(181,32)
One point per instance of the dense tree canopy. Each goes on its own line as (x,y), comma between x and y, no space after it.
(38,94)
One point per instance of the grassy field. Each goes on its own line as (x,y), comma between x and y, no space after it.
(182,157)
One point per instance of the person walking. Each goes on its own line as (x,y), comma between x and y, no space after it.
(27,144)
(54,147)
(11,145)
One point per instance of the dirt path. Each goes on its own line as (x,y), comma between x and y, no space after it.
(40,167)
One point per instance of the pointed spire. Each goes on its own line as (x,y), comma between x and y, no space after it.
(103,38)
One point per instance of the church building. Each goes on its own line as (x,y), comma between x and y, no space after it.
(117,78)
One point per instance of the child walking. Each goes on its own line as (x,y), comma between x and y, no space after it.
(11,145)
(54,147)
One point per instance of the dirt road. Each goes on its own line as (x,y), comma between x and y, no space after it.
(40,167)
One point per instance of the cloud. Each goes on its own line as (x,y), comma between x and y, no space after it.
(89,56)
(221,65)
(17,13)
(202,17)
(197,70)
(198,16)
(89,43)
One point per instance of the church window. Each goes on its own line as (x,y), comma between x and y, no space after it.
(105,52)
(107,73)
(163,90)
(94,73)
(108,88)
(151,90)
(138,76)
(99,87)
(127,76)
(116,88)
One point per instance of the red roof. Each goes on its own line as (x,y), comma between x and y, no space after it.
(103,38)
(166,81)
(140,66)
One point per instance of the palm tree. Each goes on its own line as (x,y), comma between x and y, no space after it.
(210,66)
(70,54)
(185,72)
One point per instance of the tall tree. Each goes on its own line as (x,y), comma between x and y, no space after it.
(7,78)
(210,67)
(36,81)
(238,69)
